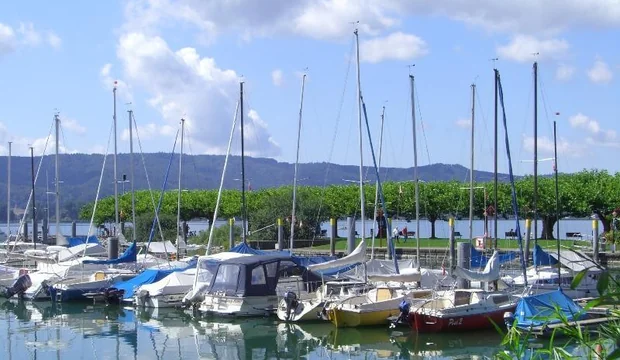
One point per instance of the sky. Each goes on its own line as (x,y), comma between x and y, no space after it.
(176,59)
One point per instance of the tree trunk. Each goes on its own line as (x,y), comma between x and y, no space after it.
(548,222)
(432,219)
(606,223)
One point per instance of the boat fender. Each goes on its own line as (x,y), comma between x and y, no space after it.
(290,299)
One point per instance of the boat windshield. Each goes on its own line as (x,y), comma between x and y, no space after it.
(226,279)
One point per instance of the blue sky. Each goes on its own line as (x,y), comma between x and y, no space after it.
(185,58)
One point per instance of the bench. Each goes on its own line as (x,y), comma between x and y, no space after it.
(510,234)
(457,234)
(411,233)
(574,235)
(323,233)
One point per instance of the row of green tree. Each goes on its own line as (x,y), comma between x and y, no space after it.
(580,195)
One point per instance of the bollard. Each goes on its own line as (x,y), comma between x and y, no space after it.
(280,235)
(332,236)
(463,255)
(112,247)
(231,235)
(74,228)
(595,240)
(351,234)
(25,233)
(45,230)
(451,244)
(526,253)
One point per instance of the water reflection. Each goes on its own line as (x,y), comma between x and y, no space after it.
(87,331)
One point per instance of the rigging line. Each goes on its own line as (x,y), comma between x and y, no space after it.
(146,173)
(337,123)
(417,100)
(23,220)
(489,149)
(544,100)
(92,217)
(161,198)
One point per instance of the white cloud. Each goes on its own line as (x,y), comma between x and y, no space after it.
(54,40)
(72,125)
(522,48)
(330,19)
(7,39)
(150,131)
(595,135)
(21,145)
(277,77)
(564,72)
(600,72)
(545,146)
(396,46)
(184,84)
(463,123)
(25,35)
(122,89)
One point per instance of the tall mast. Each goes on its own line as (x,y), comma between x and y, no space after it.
(416,180)
(471,166)
(557,192)
(34,208)
(57,182)
(535,201)
(495,168)
(180,172)
(8,195)
(301,106)
(372,249)
(359,116)
(131,176)
(116,222)
(243,206)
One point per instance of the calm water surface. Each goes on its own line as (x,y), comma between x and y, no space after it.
(44,331)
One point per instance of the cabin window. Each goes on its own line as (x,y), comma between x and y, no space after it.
(226,278)
(272,269)
(500,299)
(258,276)
(462,298)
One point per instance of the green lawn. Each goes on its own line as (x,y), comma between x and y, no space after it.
(341,244)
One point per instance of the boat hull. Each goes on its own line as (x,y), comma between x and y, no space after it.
(432,323)
(351,318)
(305,311)
(250,306)
(159,301)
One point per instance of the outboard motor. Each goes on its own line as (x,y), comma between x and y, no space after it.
(19,287)
(404,308)
(509,319)
(290,299)
(143,295)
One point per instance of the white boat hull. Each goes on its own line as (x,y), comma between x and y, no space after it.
(238,306)
(159,301)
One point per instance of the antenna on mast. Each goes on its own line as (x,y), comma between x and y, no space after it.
(410,66)
(494,60)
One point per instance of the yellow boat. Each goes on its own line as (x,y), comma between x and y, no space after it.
(373,308)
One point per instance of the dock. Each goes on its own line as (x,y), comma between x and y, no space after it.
(548,329)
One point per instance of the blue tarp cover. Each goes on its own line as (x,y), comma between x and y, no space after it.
(542,258)
(148,276)
(479,260)
(540,309)
(128,256)
(73,241)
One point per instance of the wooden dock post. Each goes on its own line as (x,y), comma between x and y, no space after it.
(231,233)
(463,255)
(526,254)
(280,234)
(333,234)
(595,240)
(350,234)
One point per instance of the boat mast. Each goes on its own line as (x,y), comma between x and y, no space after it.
(495,210)
(301,106)
(471,166)
(535,201)
(372,249)
(131,176)
(179,234)
(57,183)
(416,179)
(557,192)
(8,196)
(243,205)
(116,222)
(359,116)
(34,209)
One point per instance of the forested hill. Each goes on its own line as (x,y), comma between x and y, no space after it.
(79,174)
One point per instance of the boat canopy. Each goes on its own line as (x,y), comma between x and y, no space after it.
(543,308)
(159,247)
(356,257)
(490,272)
(73,241)
(542,258)
(171,283)
(575,260)
(479,260)
(406,275)
(128,256)
(249,275)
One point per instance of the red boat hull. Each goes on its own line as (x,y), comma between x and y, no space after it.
(454,323)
